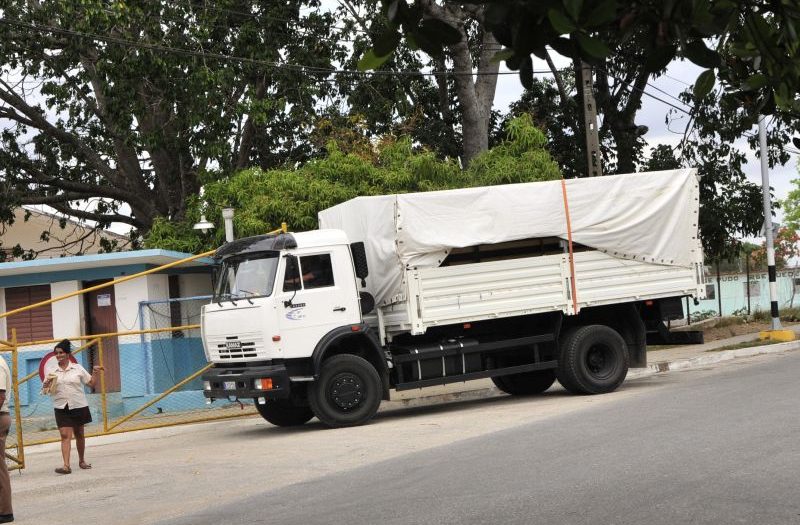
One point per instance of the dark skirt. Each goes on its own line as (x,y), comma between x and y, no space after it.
(72,417)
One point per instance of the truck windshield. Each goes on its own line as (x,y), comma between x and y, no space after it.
(247,277)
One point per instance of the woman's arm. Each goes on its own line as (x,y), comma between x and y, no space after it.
(95,369)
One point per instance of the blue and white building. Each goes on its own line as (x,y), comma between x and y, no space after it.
(138,367)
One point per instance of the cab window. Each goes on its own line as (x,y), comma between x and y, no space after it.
(317,271)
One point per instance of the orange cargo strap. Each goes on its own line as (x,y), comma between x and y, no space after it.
(571,253)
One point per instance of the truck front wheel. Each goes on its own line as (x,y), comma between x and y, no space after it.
(526,383)
(348,392)
(593,360)
(282,413)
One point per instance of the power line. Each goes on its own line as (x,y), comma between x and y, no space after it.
(746,134)
(220,56)
(631,86)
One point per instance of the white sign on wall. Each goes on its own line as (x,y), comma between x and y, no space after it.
(104,299)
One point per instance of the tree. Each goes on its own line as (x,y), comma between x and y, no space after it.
(787,248)
(117,112)
(791,207)
(755,45)
(544,104)
(468,62)
(265,198)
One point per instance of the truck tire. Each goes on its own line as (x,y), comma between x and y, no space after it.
(282,413)
(593,360)
(526,383)
(348,392)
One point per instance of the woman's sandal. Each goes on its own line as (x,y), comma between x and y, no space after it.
(64,470)
(84,465)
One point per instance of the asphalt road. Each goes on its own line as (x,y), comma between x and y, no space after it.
(704,447)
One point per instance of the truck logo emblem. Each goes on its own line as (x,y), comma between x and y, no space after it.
(296,314)
(233,345)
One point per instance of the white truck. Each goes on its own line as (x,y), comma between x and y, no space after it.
(522,283)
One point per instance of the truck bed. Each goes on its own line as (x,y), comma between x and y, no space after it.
(523,286)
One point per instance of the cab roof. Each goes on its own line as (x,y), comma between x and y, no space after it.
(281,241)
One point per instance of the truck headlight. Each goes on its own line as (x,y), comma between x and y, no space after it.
(206,385)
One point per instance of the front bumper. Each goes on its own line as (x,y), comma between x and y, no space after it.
(240,383)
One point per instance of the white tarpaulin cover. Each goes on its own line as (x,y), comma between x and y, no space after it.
(650,217)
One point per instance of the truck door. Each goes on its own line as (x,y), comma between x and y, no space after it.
(317,295)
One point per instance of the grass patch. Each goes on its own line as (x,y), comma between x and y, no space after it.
(746,344)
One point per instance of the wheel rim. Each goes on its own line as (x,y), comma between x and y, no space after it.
(600,361)
(346,391)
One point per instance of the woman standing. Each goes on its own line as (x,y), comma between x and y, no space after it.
(70,404)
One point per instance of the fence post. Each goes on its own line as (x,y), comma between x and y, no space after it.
(103,401)
(15,387)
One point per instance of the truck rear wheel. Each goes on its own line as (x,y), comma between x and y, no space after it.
(282,413)
(348,392)
(526,383)
(593,360)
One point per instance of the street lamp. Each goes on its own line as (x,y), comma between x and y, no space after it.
(203,225)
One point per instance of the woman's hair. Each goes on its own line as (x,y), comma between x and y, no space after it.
(65,345)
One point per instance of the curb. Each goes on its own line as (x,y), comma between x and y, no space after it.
(712,357)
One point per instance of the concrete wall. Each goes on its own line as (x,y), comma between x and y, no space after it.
(127,296)
(194,285)
(68,314)
(732,292)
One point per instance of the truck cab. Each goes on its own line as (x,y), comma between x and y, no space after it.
(276,298)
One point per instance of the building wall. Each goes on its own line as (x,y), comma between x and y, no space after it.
(28,235)
(193,284)
(68,313)
(732,293)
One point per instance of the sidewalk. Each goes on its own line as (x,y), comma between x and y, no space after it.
(659,361)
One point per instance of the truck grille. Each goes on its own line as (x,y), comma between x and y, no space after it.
(235,347)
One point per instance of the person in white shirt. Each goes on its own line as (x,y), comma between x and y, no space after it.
(6,513)
(70,404)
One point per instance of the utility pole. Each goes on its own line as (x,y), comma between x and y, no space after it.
(594,167)
(775,333)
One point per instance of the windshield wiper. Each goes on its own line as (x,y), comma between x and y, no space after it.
(222,297)
(247,297)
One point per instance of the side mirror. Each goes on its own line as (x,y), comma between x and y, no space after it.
(360,261)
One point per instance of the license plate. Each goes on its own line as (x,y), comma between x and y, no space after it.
(230,385)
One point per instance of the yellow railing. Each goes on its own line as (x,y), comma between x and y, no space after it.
(108,427)
(128,422)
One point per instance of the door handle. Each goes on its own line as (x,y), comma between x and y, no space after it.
(339,309)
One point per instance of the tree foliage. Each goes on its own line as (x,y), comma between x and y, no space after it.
(787,250)
(118,112)
(754,43)
(263,199)
(462,45)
